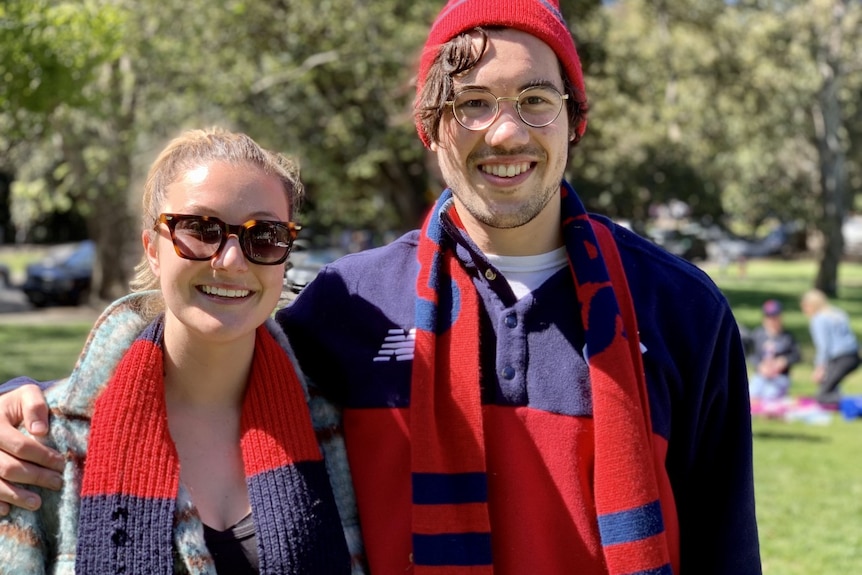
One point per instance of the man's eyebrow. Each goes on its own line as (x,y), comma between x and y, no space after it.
(539,82)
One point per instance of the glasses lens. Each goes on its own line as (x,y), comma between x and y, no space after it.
(474,109)
(267,242)
(197,238)
(539,106)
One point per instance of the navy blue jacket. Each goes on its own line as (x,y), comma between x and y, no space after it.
(351,332)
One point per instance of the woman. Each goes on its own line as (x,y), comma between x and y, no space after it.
(188,439)
(836,351)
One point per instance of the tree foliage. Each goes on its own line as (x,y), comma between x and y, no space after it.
(748,111)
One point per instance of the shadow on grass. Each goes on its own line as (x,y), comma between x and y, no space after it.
(775,435)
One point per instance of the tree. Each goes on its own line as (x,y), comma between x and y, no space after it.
(828,33)
(88,118)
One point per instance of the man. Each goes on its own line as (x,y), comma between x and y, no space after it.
(774,351)
(491,366)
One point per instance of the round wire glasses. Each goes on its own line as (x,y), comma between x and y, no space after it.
(477,108)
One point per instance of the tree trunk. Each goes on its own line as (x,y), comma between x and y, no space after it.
(105,185)
(831,152)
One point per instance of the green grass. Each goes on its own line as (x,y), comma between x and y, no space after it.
(42,352)
(809,497)
(807,479)
(809,489)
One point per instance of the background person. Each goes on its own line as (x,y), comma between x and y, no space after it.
(774,351)
(548,392)
(187,440)
(836,350)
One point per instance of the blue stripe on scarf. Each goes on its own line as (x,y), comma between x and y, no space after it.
(663,570)
(452,549)
(449,488)
(631,525)
(114,525)
(602,331)
(438,281)
(304,533)
(426,311)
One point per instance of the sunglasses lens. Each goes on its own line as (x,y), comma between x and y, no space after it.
(197,238)
(268,242)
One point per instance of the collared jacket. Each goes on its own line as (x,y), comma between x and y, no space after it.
(44,541)
(352,330)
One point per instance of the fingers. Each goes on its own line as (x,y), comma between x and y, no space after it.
(33,410)
(23,459)
(18,497)
(15,470)
(24,405)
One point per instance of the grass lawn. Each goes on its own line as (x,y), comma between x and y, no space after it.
(42,352)
(808,478)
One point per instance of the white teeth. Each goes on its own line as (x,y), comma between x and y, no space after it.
(222,292)
(505,171)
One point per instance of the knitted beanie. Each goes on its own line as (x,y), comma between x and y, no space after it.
(540,18)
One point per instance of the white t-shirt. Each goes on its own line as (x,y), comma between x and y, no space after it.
(526,273)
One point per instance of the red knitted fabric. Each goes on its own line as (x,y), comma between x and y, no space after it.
(131,476)
(451,529)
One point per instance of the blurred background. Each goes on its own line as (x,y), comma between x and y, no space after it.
(728,132)
(722,130)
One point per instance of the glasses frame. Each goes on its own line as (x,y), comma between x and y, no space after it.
(516,101)
(227,230)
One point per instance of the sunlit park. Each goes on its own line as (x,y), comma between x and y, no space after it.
(729,132)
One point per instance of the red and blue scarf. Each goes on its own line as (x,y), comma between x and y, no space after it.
(451,526)
(132,473)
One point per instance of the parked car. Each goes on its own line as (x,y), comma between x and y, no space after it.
(305,262)
(64,276)
(851,230)
(680,243)
(784,240)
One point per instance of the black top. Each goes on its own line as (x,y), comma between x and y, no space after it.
(235,549)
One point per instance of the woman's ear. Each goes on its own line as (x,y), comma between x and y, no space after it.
(150,240)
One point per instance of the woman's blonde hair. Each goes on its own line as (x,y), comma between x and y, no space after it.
(815,300)
(196,148)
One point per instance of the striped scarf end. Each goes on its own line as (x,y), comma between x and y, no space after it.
(663,570)
(453,553)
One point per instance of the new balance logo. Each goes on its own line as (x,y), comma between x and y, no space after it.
(398,346)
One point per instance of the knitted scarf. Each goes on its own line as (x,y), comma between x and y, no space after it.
(451,527)
(132,472)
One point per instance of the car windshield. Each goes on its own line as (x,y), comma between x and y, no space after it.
(81,257)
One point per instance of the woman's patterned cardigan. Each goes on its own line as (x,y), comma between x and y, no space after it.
(27,537)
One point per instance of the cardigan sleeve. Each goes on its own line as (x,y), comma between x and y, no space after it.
(23,545)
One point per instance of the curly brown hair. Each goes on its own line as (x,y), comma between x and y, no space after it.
(458,56)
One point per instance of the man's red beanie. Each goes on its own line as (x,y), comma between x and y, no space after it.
(540,18)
